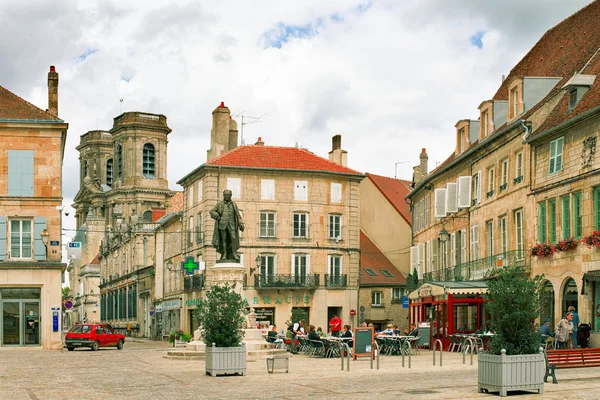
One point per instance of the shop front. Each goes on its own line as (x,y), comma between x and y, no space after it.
(171,315)
(449,308)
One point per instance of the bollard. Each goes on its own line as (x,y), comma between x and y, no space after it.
(467,348)
(434,347)
(345,348)
(375,346)
(409,354)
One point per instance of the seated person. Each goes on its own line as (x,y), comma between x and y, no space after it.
(312,333)
(346,332)
(396,330)
(320,332)
(388,332)
(272,334)
(413,330)
(546,332)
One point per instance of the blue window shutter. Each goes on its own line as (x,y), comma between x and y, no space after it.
(39,250)
(2,238)
(20,173)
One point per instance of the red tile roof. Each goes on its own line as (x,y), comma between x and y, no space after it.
(372,257)
(274,157)
(14,107)
(96,260)
(394,190)
(176,202)
(562,51)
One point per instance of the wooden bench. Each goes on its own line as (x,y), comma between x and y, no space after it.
(570,358)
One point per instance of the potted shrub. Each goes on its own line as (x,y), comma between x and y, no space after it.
(515,360)
(179,338)
(222,317)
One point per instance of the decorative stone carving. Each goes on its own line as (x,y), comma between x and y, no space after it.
(588,151)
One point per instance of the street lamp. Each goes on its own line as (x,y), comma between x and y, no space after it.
(45,237)
(170,265)
(258,262)
(444,235)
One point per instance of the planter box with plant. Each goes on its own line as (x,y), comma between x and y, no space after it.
(592,240)
(222,316)
(179,338)
(515,360)
(542,250)
(566,245)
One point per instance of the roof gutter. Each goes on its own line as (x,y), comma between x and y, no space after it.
(34,121)
(462,156)
(564,125)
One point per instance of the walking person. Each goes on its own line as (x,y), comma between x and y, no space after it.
(576,322)
(563,330)
(296,331)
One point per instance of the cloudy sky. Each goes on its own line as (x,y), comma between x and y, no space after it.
(391,76)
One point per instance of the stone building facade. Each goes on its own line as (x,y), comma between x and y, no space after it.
(503,188)
(301,214)
(32,144)
(124,191)
(385,239)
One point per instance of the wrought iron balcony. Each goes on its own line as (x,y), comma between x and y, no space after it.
(193,283)
(280,281)
(336,281)
(518,179)
(503,187)
(483,268)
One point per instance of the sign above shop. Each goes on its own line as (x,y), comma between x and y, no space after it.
(425,291)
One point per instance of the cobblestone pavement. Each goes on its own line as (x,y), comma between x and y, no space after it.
(140,372)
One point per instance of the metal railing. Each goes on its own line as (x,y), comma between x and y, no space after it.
(286,281)
(193,283)
(336,281)
(479,269)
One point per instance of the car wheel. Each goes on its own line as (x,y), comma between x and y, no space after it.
(95,346)
(70,348)
(120,345)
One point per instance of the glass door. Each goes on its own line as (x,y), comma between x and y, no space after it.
(32,323)
(11,323)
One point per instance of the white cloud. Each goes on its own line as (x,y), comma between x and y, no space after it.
(391,77)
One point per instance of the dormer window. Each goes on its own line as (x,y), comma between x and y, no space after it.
(572,98)
(485,123)
(514,101)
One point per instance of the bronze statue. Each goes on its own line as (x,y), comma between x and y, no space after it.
(227,223)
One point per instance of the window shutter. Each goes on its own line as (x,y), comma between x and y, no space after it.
(301,190)
(559,152)
(39,250)
(463,250)
(452,249)
(421,259)
(267,189)
(20,173)
(478,188)
(336,192)
(235,185)
(200,191)
(451,197)
(439,203)
(464,191)
(427,264)
(191,196)
(2,238)
(307,264)
(414,258)
(434,255)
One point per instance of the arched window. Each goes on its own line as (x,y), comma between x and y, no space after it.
(547,310)
(570,296)
(147,216)
(85,169)
(109,171)
(120,161)
(148,161)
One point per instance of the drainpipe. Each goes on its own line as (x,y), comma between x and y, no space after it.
(527,126)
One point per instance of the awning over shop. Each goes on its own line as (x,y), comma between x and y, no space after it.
(592,276)
(448,287)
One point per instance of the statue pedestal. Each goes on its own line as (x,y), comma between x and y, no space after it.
(226,273)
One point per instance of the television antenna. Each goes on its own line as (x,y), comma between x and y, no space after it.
(252,120)
(396,168)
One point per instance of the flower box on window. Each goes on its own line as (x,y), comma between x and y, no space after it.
(542,250)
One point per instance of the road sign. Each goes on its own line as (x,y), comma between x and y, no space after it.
(74,251)
(352,313)
(68,304)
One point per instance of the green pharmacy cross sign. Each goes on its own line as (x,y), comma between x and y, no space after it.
(189,265)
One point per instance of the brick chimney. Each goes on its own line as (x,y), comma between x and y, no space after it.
(423,158)
(337,155)
(219,134)
(53,91)
(259,142)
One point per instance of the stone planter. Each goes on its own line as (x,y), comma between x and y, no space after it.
(225,360)
(506,373)
(179,343)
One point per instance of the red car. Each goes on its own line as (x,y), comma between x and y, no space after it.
(93,336)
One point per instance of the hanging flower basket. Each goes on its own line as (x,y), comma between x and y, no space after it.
(542,250)
(565,245)
(592,240)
